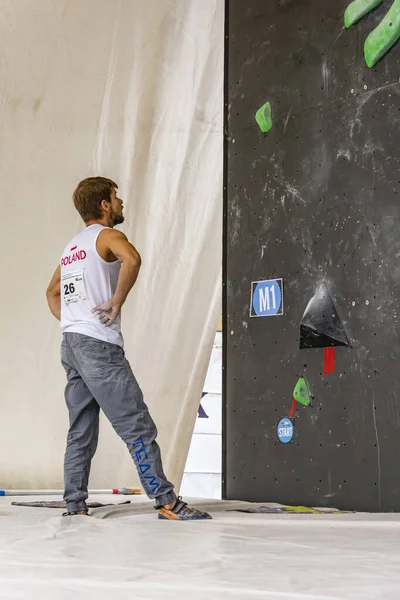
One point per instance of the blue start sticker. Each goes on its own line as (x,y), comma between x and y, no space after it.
(285,430)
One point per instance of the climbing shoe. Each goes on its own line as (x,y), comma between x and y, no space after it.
(181,512)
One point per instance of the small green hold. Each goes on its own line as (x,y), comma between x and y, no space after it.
(357,9)
(301,393)
(384,36)
(263,117)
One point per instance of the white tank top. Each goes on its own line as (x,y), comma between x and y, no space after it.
(87,281)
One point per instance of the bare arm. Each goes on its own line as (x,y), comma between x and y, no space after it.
(131,262)
(53,294)
(116,244)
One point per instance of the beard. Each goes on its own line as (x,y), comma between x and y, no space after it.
(116,219)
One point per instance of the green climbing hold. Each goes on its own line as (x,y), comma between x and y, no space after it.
(301,393)
(357,9)
(263,117)
(384,36)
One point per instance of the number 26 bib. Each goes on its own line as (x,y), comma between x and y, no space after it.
(73,287)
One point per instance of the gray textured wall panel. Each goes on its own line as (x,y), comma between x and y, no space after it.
(314,200)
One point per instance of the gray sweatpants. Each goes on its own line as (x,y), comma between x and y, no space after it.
(99,376)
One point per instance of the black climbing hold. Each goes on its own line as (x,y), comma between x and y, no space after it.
(321,326)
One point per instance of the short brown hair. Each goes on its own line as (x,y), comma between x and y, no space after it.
(89,195)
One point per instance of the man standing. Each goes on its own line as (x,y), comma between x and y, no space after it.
(97,270)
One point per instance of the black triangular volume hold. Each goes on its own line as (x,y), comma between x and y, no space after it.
(312,339)
(321,326)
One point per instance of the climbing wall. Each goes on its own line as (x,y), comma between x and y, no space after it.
(312,254)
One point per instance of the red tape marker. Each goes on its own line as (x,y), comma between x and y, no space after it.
(326,361)
(292,409)
(329,360)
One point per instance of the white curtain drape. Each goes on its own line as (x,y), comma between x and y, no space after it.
(132,90)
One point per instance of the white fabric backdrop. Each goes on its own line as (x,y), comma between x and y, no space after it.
(132,90)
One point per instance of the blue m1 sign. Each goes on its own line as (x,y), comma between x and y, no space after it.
(266,298)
